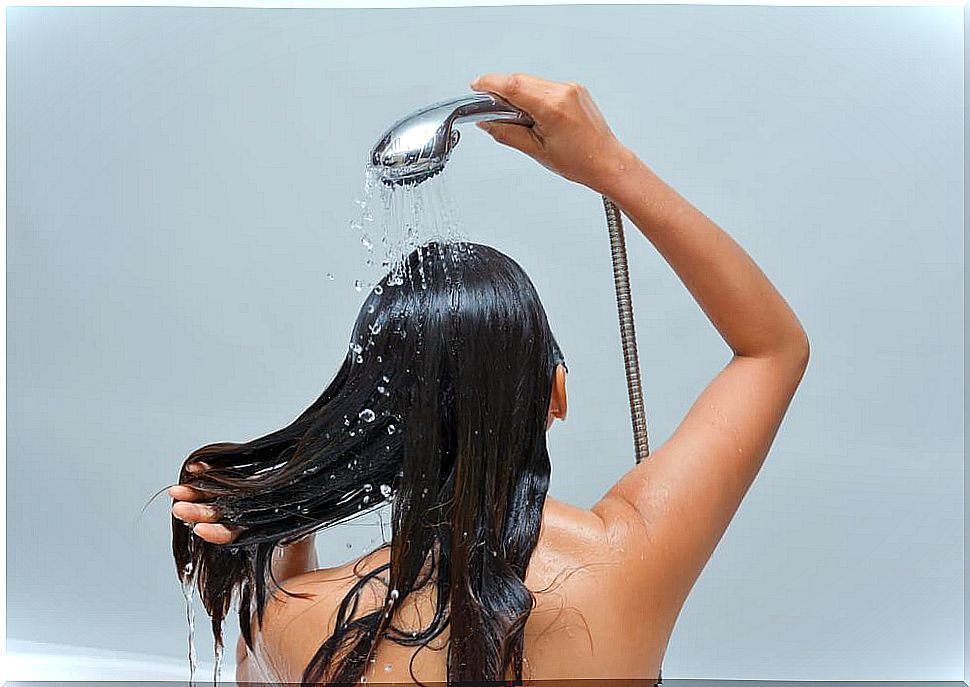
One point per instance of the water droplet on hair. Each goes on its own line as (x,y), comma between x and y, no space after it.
(356,347)
(385,490)
(381,389)
(367,415)
(375,328)
(360,358)
(391,429)
(394,594)
(385,378)
(370,309)
(366,500)
(368,487)
(378,289)
(380,359)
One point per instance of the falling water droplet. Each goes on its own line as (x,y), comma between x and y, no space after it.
(387,668)
(357,285)
(330,276)
(368,244)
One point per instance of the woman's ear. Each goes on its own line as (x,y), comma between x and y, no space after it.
(558,404)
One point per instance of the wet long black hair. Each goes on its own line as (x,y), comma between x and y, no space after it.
(441,407)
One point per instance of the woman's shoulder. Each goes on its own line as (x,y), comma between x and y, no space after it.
(299,615)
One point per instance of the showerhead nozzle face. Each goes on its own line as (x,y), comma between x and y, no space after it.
(411,180)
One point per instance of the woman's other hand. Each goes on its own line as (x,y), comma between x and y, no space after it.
(570,135)
(189,507)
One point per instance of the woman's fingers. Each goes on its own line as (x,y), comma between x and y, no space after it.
(525,91)
(205,522)
(216,534)
(183,492)
(194,512)
(569,136)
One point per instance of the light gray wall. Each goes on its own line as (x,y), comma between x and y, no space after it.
(966,473)
(180,182)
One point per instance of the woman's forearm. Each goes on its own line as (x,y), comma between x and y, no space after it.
(297,558)
(731,289)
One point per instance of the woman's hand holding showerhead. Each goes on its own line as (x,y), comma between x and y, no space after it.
(570,135)
(189,507)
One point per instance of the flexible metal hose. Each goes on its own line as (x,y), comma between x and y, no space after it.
(628,337)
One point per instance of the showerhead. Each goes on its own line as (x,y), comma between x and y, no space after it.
(417,147)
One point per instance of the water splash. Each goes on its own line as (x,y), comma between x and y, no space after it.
(218,666)
(188,591)
(407,217)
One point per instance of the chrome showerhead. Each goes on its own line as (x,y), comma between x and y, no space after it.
(417,147)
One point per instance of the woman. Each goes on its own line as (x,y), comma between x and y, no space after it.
(442,406)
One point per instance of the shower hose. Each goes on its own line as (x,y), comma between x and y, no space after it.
(628,337)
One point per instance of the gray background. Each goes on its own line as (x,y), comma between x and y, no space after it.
(179,184)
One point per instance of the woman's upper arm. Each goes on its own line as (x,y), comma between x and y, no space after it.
(683,496)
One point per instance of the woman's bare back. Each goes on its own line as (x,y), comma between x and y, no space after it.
(596,615)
